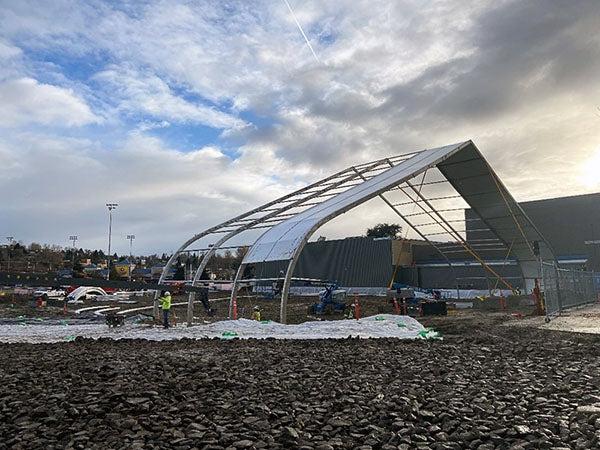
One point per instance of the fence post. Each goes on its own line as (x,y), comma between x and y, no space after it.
(558,293)
(537,293)
(575,291)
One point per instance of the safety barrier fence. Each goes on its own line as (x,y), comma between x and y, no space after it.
(568,288)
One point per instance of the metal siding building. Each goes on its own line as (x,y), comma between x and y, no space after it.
(368,262)
(352,262)
(431,272)
(356,262)
(566,222)
(472,276)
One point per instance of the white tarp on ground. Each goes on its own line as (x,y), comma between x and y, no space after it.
(380,326)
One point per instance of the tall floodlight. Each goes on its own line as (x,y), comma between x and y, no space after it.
(74,239)
(130,237)
(10,241)
(110,207)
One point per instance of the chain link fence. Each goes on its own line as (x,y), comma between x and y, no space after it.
(566,288)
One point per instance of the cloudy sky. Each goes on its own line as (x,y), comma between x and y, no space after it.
(187,112)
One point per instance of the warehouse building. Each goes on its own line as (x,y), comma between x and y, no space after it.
(352,262)
(570,224)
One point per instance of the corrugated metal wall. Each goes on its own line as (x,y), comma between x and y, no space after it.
(365,262)
(353,262)
(566,222)
(470,277)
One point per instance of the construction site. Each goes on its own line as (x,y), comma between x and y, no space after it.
(474,327)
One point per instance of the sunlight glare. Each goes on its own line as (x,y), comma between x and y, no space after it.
(591,170)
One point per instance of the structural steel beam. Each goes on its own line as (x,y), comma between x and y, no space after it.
(292,264)
(423,236)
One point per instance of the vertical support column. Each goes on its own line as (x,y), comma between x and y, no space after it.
(190,308)
(234,288)
(487,279)
(558,293)
(543,309)
(155,310)
(286,287)
(575,292)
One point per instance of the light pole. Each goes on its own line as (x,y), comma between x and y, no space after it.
(74,239)
(110,207)
(9,239)
(131,237)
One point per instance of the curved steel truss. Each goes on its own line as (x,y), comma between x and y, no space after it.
(291,220)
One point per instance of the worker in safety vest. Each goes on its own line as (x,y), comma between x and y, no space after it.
(256,314)
(165,302)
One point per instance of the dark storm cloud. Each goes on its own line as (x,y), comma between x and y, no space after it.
(507,58)
(524,51)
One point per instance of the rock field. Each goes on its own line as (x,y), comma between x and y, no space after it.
(486,386)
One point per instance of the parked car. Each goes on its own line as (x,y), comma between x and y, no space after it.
(50,293)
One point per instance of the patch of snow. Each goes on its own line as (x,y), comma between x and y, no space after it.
(101,312)
(379,326)
(89,308)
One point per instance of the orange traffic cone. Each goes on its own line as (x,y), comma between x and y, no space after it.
(356,308)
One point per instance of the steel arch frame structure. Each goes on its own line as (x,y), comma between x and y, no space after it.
(291,220)
(270,214)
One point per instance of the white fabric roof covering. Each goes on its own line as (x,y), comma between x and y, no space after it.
(282,240)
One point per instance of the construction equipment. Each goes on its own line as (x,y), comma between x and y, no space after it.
(114,320)
(331,299)
(414,301)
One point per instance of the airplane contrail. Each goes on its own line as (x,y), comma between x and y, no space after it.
(302,31)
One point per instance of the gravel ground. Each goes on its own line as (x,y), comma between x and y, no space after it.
(585,319)
(580,320)
(485,386)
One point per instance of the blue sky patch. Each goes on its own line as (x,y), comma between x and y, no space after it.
(73,67)
(186,137)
